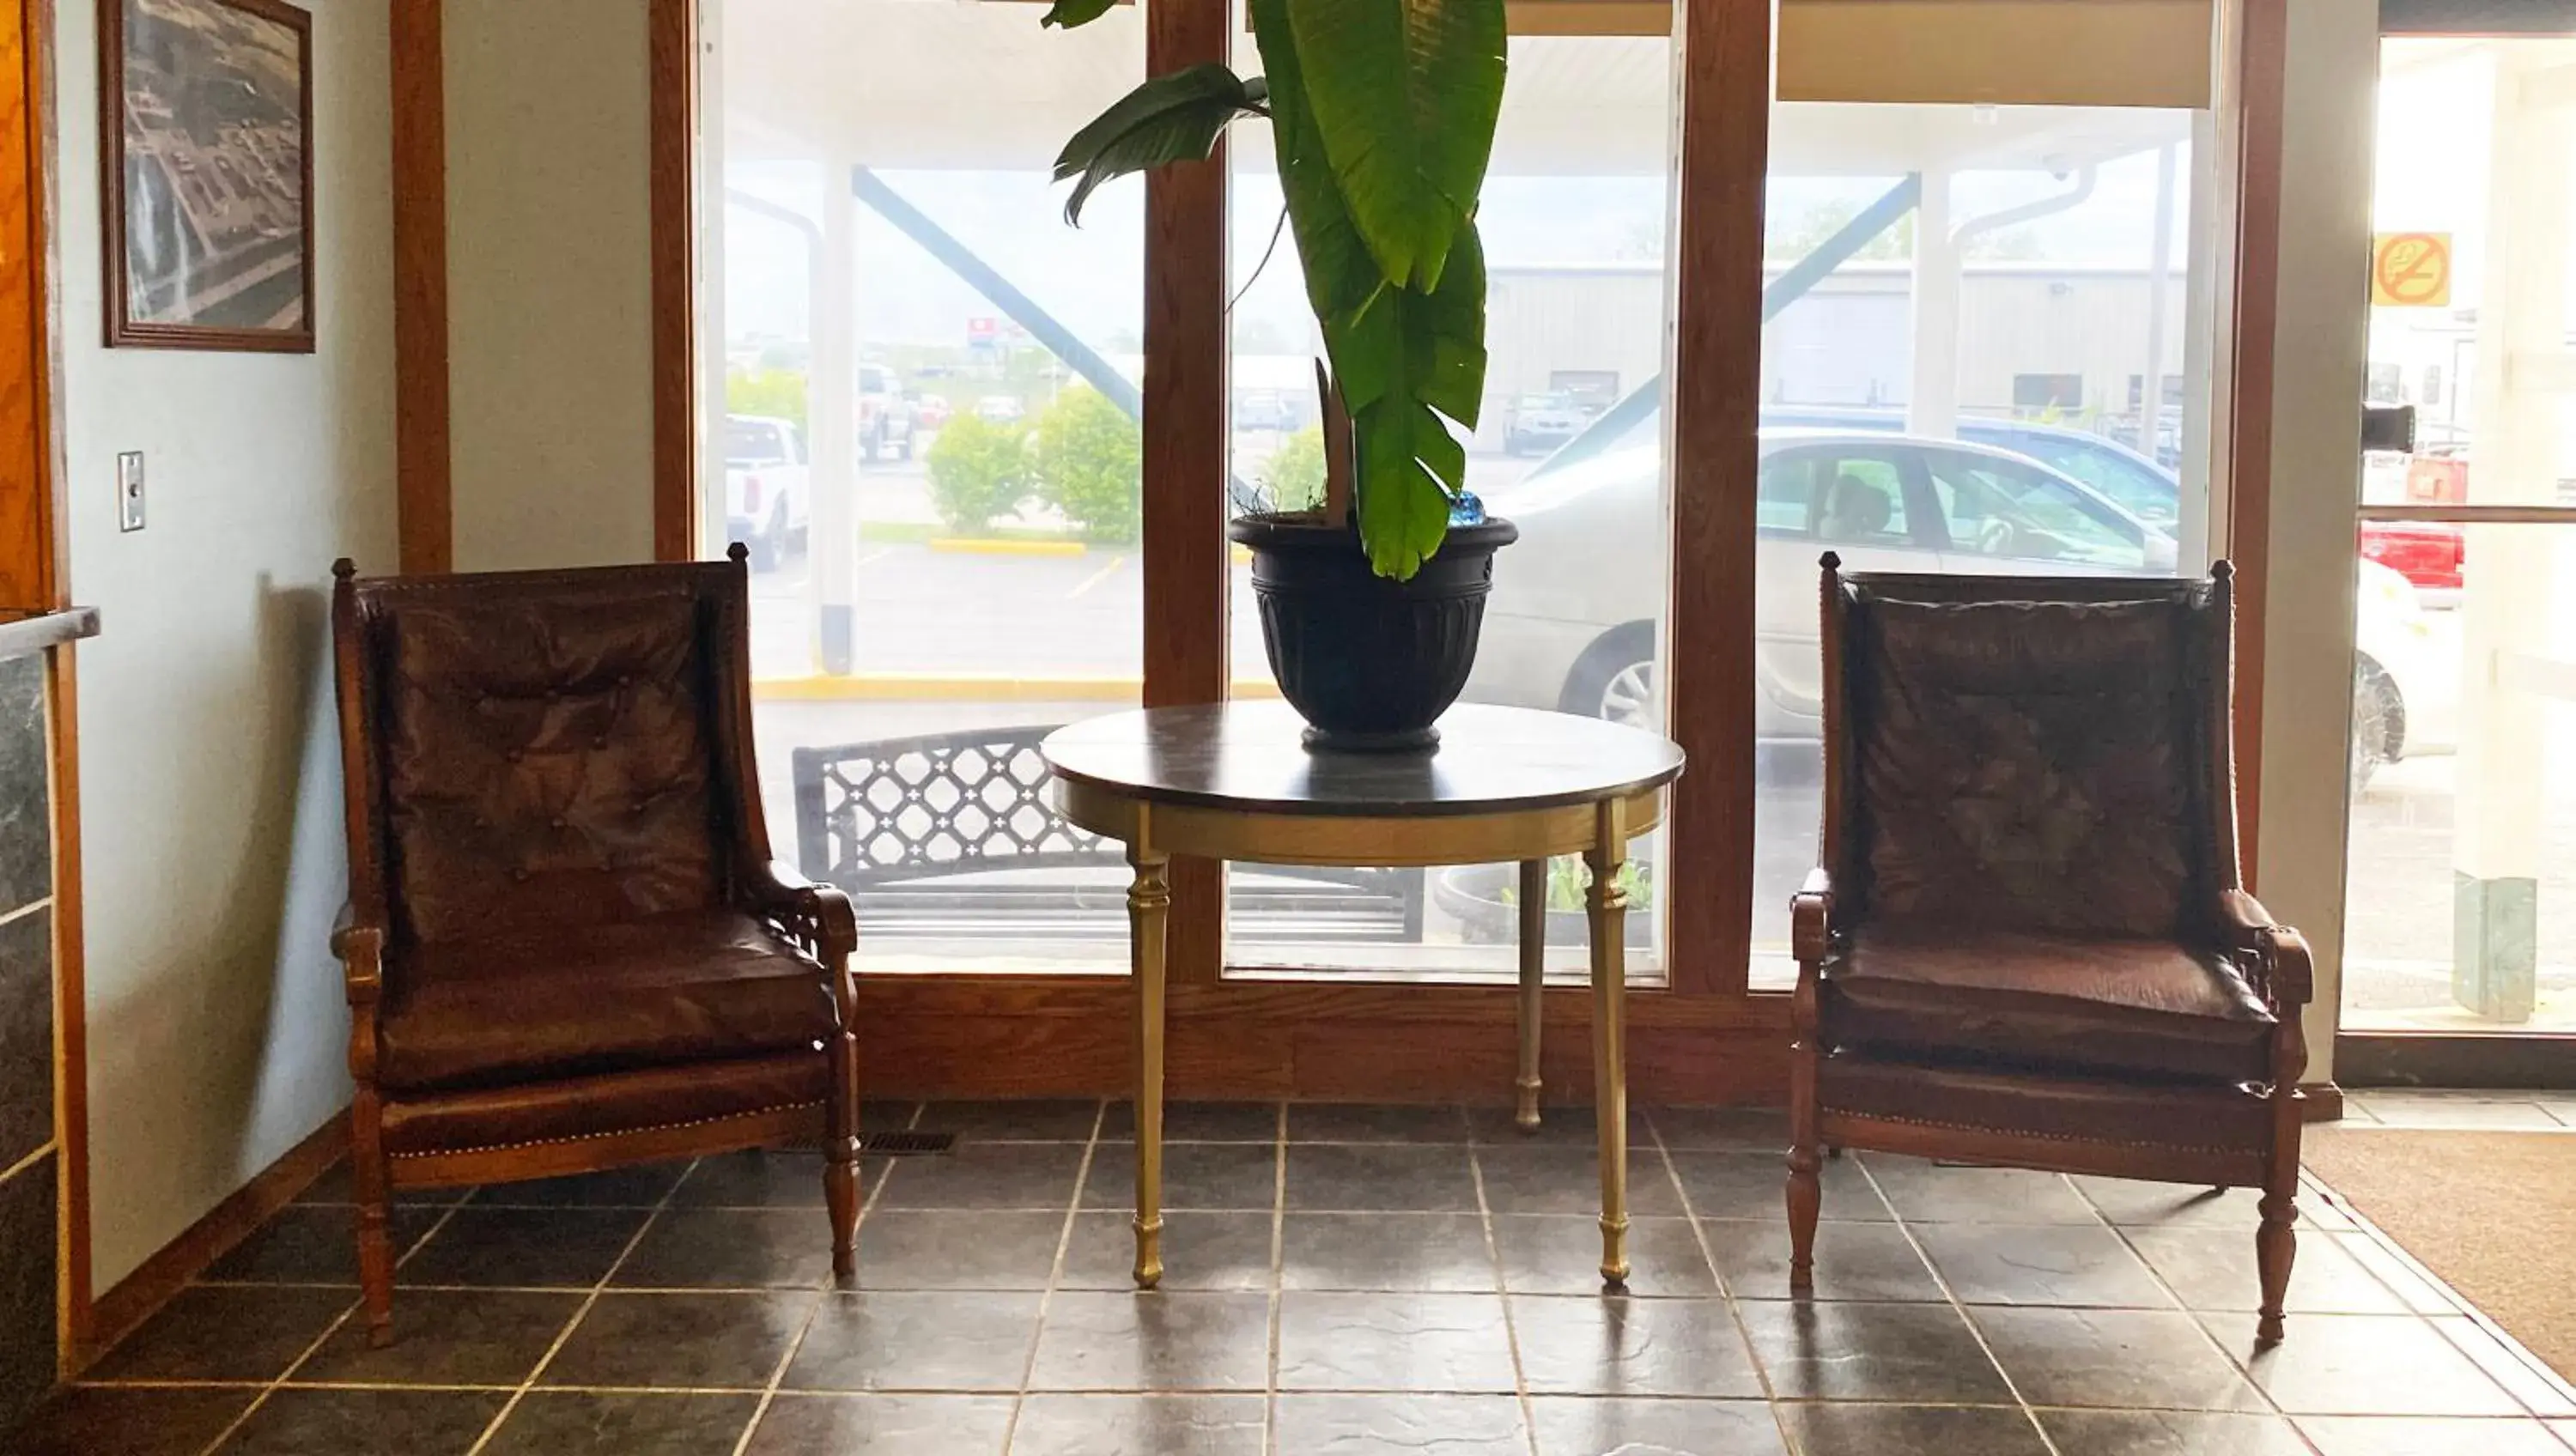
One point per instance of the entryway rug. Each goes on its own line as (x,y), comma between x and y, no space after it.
(2492,1213)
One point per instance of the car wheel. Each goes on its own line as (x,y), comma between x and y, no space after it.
(904,450)
(2378,722)
(771,543)
(1616,681)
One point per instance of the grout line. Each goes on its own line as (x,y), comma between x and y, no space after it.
(1278,1289)
(1055,1277)
(1725,1286)
(2194,1315)
(564,1335)
(273,1386)
(1905,1231)
(29,1161)
(1503,1293)
(30,908)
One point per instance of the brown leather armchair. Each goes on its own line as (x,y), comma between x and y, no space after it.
(2028,943)
(567,946)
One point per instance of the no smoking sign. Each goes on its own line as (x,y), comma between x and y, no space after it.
(2410,270)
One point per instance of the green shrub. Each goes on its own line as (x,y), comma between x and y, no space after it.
(1091,465)
(1296,471)
(978,470)
(778,393)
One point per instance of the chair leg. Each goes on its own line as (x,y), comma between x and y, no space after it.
(2276,1240)
(369,1171)
(841,1151)
(1806,1162)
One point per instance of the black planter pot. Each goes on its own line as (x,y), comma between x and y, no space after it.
(1370,663)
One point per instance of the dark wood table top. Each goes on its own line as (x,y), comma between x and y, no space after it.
(1248,756)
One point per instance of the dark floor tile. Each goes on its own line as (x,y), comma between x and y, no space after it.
(1164,1425)
(1561,1254)
(1200,1251)
(1863,1261)
(2040,1264)
(1923,1191)
(1022,1121)
(524,1248)
(763,1178)
(586,1423)
(2352,1364)
(1195,1175)
(642,1186)
(225,1332)
(1386,1251)
(1341,1122)
(2130,1202)
(731,1248)
(2541,1394)
(1913,1430)
(985,1175)
(917,1341)
(2426,1436)
(1157,1341)
(1566,1178)
(1408,1342)
(92,1421)
(681,1341)
(2135,1359)
(1607,1345)
(1744,1129)
(1558,1127)
(366,1423)
(1656,1428)
(1360,1177)
(2170,1433)
(447,1337)
(2213,1269)
(1889,1352)
(336,1185)
(882,1425)
(1198,1122)
(926,1248)
(1381,1425)
(1756,1186)
(312,1243)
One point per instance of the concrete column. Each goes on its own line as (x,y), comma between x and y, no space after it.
(2199,345)
(2151,393)
(832,415)
(2521,309)
(1932,394)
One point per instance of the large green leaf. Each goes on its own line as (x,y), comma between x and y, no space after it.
(1070,13)
(1405,95)
(1175,117)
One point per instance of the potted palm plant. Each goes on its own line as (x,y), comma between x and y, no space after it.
(1383,115)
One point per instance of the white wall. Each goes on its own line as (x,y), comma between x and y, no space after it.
(549,293)
(212,856)
(2321,338)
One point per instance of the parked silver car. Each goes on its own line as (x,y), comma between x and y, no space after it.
(1571,621)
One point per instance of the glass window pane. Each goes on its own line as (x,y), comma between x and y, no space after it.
(925,409)
(1569,447)
(1962,304)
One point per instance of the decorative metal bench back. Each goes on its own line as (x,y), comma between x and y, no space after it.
(894,811)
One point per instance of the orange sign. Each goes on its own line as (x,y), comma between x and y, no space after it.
(2410,270)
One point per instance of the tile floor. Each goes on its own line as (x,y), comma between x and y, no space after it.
(1343,1281)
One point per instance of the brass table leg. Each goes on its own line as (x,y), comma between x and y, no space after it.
(1533,976)
(1149,903)
(1606,901)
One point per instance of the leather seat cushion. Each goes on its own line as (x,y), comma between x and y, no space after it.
(614,1104)
(656,991)
(2022,1000)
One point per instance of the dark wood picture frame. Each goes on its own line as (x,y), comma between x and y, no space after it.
(124,327)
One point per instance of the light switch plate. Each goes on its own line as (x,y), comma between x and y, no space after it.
(129,491)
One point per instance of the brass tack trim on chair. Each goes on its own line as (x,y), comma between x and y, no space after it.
(627,1132)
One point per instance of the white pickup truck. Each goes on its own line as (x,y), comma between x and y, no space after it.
(766,494)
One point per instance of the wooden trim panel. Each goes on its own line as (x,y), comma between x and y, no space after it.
(138,1295)
(424,507)
(71,1005)
(2262,41)
(672,49)
(27,574)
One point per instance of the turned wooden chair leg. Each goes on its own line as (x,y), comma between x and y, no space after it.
(841,1153)
(1806,1162)
(368,1170)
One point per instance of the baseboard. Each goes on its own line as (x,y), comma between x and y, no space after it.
(139,1295)
(2324,1101)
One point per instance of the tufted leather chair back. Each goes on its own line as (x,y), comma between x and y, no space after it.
(544,751)
(2023,753)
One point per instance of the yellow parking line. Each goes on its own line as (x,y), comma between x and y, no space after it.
(927,687)
(1097,577)
(996,546)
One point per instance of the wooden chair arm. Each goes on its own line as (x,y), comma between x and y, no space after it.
(2288,968)
(1811,917)
(361,949)
(818,914)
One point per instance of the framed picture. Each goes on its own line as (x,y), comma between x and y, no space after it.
(207,121)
